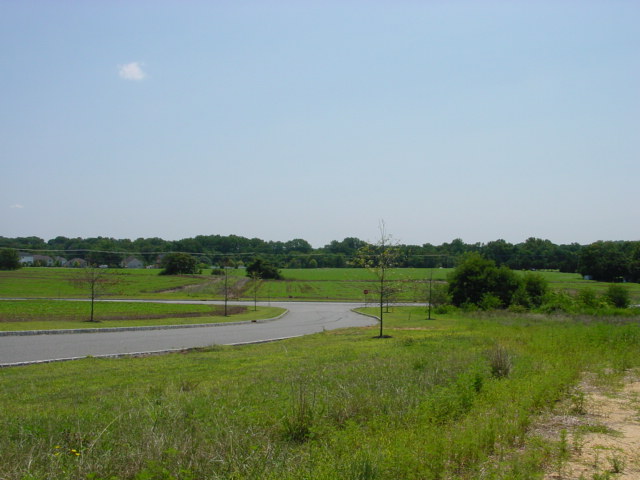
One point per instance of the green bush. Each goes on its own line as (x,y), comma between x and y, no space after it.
(178,264)
(618,296)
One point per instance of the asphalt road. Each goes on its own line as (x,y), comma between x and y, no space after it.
(303,319)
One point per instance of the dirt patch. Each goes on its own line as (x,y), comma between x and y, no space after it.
(600,432)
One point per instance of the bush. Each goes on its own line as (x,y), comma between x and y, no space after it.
(262,269)
(178,264)
(618,296)
(478,281)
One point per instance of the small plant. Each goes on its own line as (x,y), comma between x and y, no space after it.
(578,402)
(617,464)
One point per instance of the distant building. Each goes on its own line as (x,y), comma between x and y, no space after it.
(76,263)
(132,262)
(32,260)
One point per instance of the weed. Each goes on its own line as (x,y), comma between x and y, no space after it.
(617,464)
(578,402)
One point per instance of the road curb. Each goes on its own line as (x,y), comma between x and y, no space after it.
(143,354)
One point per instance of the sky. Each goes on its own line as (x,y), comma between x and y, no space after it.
(479,120)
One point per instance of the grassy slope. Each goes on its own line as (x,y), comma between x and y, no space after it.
(422,404)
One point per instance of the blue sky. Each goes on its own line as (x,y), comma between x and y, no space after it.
(280,119)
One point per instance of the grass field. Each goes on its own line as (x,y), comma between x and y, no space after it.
(346,284)
(56,314)
(454,397)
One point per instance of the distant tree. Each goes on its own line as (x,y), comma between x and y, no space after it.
(634,265)
(500,251)
(264,270)
(298,245)
(379,258)
(605,261)
(97,282)
(9,259)
(178,264)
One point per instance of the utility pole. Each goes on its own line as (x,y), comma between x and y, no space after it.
(430,290)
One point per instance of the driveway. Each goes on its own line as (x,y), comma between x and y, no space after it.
(302,319)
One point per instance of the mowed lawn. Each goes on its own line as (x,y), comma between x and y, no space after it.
(458,397)
(60,314)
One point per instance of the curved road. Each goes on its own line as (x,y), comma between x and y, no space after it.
(303,318)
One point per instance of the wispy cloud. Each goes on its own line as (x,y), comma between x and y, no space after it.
(132,71)
(16,205)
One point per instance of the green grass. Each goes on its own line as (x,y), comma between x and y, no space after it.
(331,284)
(423,404)
(58,314)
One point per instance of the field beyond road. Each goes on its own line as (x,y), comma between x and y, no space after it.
(331,284)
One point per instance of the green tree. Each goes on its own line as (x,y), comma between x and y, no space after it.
(604,261)
(478,281)
(263,269)
(178,264)
(9,259)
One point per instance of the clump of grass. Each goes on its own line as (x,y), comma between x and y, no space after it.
(297,424)
(500,361)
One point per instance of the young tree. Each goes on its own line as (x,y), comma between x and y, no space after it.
(379,258)
(97,282)
(9,259)
(255,282)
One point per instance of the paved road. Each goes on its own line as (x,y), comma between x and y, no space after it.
(302,319)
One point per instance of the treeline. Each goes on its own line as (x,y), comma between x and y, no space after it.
(608,261)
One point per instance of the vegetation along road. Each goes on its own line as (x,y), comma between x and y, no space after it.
(301,319)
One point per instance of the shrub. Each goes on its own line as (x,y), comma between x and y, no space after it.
(263,269)
(618,296)
(178,263)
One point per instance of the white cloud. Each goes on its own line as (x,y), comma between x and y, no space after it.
(16,205)
(132,71)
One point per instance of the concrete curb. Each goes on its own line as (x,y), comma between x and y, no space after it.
(133,329)
(141,354)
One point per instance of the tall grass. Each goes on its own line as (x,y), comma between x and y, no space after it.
(427,403)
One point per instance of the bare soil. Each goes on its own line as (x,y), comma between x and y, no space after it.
(600,431)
